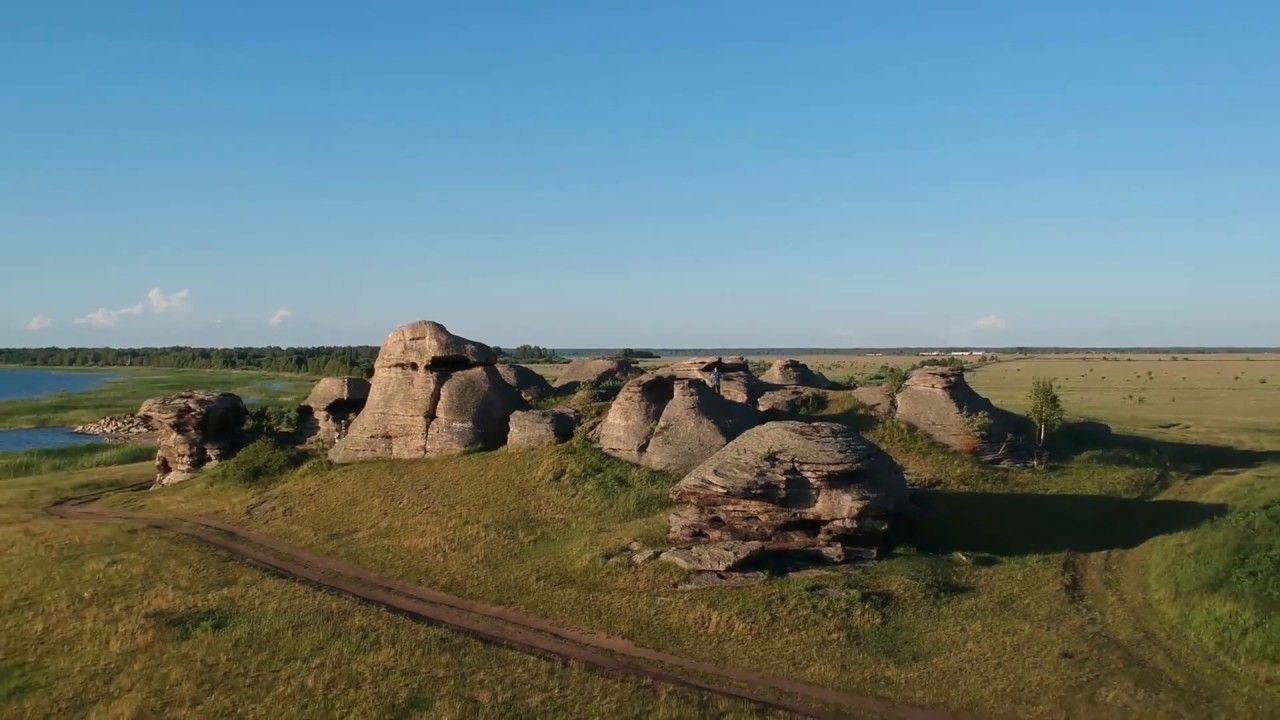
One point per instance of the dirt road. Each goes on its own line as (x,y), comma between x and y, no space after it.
(505,626)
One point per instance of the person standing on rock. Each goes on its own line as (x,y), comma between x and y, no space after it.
(714,382)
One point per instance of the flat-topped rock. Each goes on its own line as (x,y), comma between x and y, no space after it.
(594,371)
(538,428)
(814,488)
(197,429)
(432,393)
(736,381)
(334,403)
(937,400)
(118,426)
(793,372)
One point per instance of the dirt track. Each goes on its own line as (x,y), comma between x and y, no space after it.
(507,627)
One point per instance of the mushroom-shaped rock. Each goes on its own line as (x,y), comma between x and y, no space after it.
(815,488)
(794,372)
(197,429)
(537,428)
(432,393)
(672,424)
(593,371)
(937,400)
(531,386)
(328,411)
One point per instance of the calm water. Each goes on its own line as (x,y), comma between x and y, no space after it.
(41,438)
(19,384)
(16,384)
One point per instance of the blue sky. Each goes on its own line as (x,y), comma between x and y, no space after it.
(646,174)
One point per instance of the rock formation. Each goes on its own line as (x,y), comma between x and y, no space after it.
(792,399)
(794,372)
(197,429)
(671,423)
(877,398)
(433,393)
(593,371)
(323,418)
(536,428)
(127,427)
(817,489)
(531,386)
(736,381)
(939,402)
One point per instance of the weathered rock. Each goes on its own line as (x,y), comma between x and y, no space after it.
(794,372)
(791,400)
(594,371)
(531,386)
(877,398)
(334,402)
(670,423)
(736,381)
(433,393)
(536,428)
(714,557)
(938,401)
(810,488)
(197,429)
(129,427)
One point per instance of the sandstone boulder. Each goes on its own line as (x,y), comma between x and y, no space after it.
(537,428)
(432,393)
(197,429)
(594,371)
(939,402)
(125,427)
(714,557)
(808,488)
(877,398)
(791,400)
(736,381)
(670,423)
(334,402)
(794,372)
(531,386)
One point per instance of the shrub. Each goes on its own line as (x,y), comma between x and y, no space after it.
(268,420)
(978,423)
(259,464)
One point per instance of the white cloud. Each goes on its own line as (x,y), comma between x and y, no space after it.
(989,322)
(278,317)
(103,317)
(173,302)
(39,322)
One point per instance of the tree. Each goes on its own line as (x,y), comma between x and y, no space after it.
(1046,407)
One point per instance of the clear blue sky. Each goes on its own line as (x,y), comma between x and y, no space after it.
(647,174)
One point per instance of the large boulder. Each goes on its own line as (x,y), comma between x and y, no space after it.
(671,423)
(937,400)
(736,381)
(531,386)
(818,489)
(794,372)
(334,402)
(792,400)
(538,428)
(433,393)
(594,371)
(197,429)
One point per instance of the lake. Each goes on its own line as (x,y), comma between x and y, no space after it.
(23,384)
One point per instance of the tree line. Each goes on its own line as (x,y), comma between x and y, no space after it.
(355,360)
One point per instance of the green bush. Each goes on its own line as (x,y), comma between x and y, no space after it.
(269,420)
(259,464)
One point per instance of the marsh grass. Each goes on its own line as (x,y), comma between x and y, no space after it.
(76,457)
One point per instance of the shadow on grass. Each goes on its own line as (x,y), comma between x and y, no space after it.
(1094,441)
(1011,524)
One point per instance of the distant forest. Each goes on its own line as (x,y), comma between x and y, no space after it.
(354,360)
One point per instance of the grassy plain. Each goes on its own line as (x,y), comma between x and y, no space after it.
(130,386)
(1137,577)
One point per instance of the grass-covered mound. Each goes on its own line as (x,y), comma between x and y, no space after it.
(993,573)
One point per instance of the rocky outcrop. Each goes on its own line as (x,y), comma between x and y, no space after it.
(736,381)
(531,386)
(124,427)
(538,428)
(714,557)
(594,371)
(794,372)
(939,402)
(671,423)
(432,393)
(817,490)
(878,399)
(334,403)
(792,400)
(197,429)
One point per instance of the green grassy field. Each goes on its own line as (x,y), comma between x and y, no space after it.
(1137,577)
(131,386)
